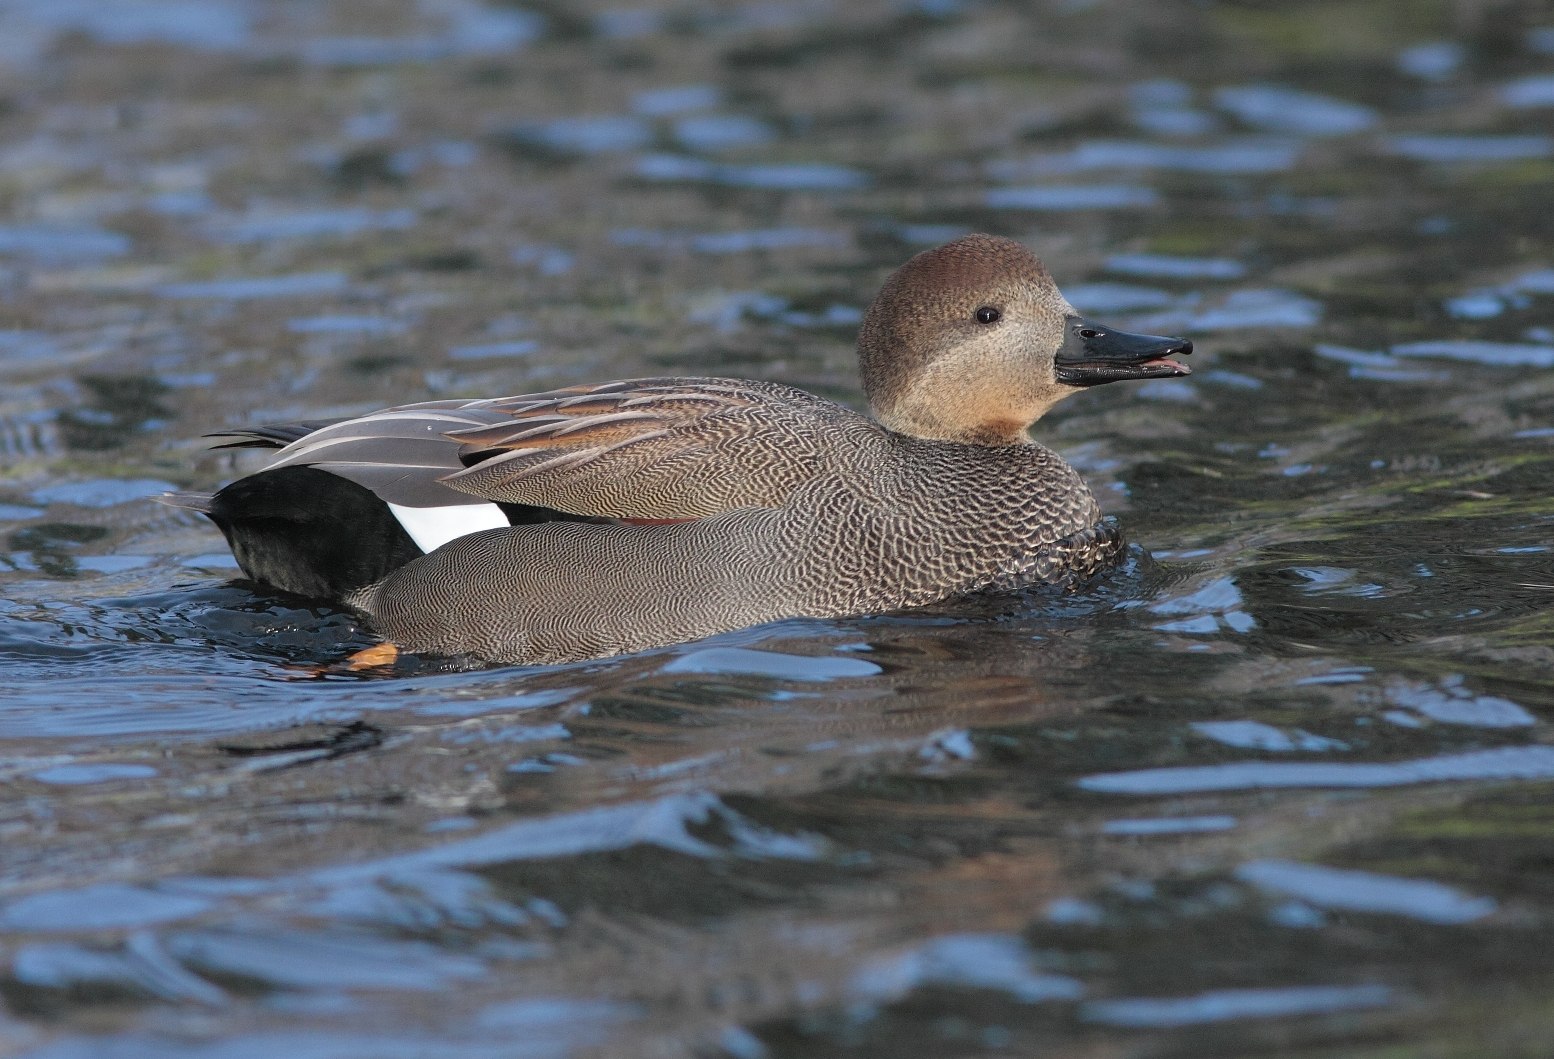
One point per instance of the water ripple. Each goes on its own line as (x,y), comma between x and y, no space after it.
(728,660)
(312,224)
(336,959)
(1529,92)
(105,906)
(1231,156)
(588,135)
(1425,148)
(297,285)
(770,177)
(1503,763)
(1169,266)
(1073,197)
(1495,354)
(1254,735)
(676,99)
(1361,891)
(1226,1005)
(59,245)
(1281,109)
(965,961)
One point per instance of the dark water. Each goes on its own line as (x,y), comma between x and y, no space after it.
(1280,785)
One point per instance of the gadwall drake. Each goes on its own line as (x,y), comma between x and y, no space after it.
(594,520)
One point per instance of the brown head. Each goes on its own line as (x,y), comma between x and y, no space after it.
(973,342)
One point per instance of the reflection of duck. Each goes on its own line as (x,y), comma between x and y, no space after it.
(599,519)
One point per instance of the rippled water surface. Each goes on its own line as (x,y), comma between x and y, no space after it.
(1279,785)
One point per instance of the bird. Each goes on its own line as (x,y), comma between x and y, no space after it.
(596,520)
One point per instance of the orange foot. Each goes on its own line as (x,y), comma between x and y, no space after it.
(382,654)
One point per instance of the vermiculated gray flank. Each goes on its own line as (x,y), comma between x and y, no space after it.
(698,505)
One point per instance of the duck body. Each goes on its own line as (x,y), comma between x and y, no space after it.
(597,520)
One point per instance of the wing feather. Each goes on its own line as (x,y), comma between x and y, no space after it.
(643,449)
(655,448)
(401,454)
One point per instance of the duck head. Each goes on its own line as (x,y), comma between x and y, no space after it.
(973,342)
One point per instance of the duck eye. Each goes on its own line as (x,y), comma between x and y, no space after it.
(1089,332)
(988,315)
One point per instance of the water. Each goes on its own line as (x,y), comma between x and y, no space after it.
(1280,783)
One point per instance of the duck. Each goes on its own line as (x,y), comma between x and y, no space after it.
(596,520)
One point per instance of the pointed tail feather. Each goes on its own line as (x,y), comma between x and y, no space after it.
(268,435)
(200,502)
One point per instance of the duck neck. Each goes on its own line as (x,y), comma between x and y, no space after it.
(990,433)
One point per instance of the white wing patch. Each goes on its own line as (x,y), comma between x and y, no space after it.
(432,527)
